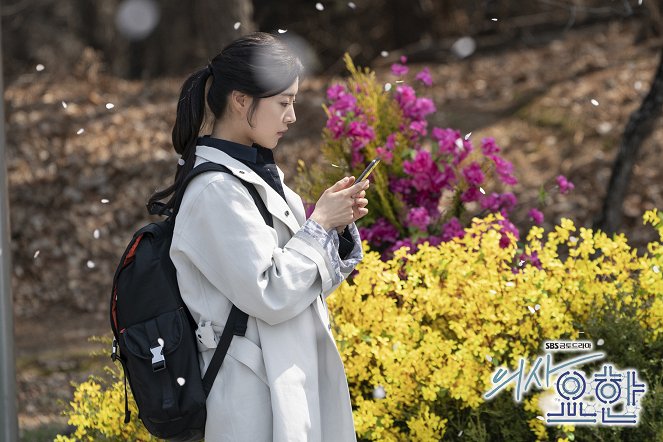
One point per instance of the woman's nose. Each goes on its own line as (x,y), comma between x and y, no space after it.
(290,117)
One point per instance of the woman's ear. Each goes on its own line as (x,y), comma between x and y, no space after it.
(239,101)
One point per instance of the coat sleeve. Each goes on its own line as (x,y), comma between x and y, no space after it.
(221,232)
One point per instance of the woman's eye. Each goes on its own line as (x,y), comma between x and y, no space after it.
(286,104)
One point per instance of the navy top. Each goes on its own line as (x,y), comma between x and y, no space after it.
(261,161)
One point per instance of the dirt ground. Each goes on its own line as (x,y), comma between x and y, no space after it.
(80,171)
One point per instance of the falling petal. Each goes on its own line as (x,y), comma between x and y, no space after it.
(387,87)
(467,137)
(352,5)
(319,7)
(531,310)
(537,307)
(160,341)
(379,393)
(80,131)
(541,418)
(493,19)
(40,67)
(105,201)
(181,381)
(237,25)
(509,284)
(573,239)
(600,342)
(110,105)
(492,292)
(460,433)
(481,190)
(90,264)
(334,165)
(399,81)
(96,234)
(282,31)
(594,102)
(384,53)
(638,85)
(520,263)
(489,358)
(656,269)
(64,105)
(36,255)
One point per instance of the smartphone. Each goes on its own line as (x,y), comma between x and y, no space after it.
(368,170)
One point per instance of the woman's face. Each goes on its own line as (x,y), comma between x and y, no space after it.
(272,117)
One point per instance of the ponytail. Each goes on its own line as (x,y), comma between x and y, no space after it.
(190,115)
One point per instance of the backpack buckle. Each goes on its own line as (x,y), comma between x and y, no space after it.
(158,361)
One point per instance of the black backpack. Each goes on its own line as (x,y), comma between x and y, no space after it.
(155,331)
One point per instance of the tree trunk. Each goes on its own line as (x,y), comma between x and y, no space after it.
(638,129)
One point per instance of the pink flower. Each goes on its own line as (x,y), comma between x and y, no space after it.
(418,217)
(419,127)
(473,174)
(452,229)
(413,108)
(536,216)
(424,172)
(450,141)
(385,154)
(391,142)
(334,92)
(399,70)
(471,194)
(380,232)
(496,202)
(504,170)
(533,259)
(565,186)
(425,77)
(403,59)
(507,226)
(336,126)
(489,147)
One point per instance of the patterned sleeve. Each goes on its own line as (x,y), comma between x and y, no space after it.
(330,243)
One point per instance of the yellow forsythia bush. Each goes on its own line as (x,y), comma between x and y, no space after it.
(97,412)
(421,334)
(420,331)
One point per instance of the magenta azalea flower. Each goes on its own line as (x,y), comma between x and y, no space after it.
(489,147)
(507,226)
(426,177)
(399,70)
(385,154)
(418,217)
(536,216)
(471,194)
(451,142)
(473,174)
(565,186)
(504,170)
(334,92)
(452,229)
(380,232)
(425,77)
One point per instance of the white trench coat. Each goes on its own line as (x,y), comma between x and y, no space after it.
(284,380)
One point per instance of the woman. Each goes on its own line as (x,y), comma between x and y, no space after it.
(284,380)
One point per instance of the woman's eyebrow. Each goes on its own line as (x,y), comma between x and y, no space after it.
(288,95)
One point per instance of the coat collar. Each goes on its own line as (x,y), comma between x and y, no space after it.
(290,213)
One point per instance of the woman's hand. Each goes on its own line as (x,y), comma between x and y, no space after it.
(341,204)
